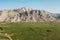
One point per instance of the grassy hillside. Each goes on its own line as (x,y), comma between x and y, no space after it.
(32,31)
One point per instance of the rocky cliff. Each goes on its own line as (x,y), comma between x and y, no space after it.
(25,15)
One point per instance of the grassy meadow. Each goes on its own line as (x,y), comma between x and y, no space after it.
(32,30)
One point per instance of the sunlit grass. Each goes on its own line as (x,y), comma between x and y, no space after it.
(33,30)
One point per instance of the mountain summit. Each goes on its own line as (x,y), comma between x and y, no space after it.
(26,15)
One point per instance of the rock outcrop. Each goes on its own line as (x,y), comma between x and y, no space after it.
(25,15)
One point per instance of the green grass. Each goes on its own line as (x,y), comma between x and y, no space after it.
(33,30)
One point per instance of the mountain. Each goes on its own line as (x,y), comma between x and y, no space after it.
(57,16)
(26,15)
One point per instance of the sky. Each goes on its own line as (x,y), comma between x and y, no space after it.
(48,5)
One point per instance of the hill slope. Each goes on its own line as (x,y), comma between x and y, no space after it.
(32,30)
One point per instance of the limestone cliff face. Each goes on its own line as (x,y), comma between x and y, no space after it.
(25,15)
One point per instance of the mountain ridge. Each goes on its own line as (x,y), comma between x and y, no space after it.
(26,15)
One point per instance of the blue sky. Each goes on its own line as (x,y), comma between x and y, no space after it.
(48,5)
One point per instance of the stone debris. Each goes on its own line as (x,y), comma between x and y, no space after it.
(3,34)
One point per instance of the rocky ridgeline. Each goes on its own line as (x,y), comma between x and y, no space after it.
(26,15)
